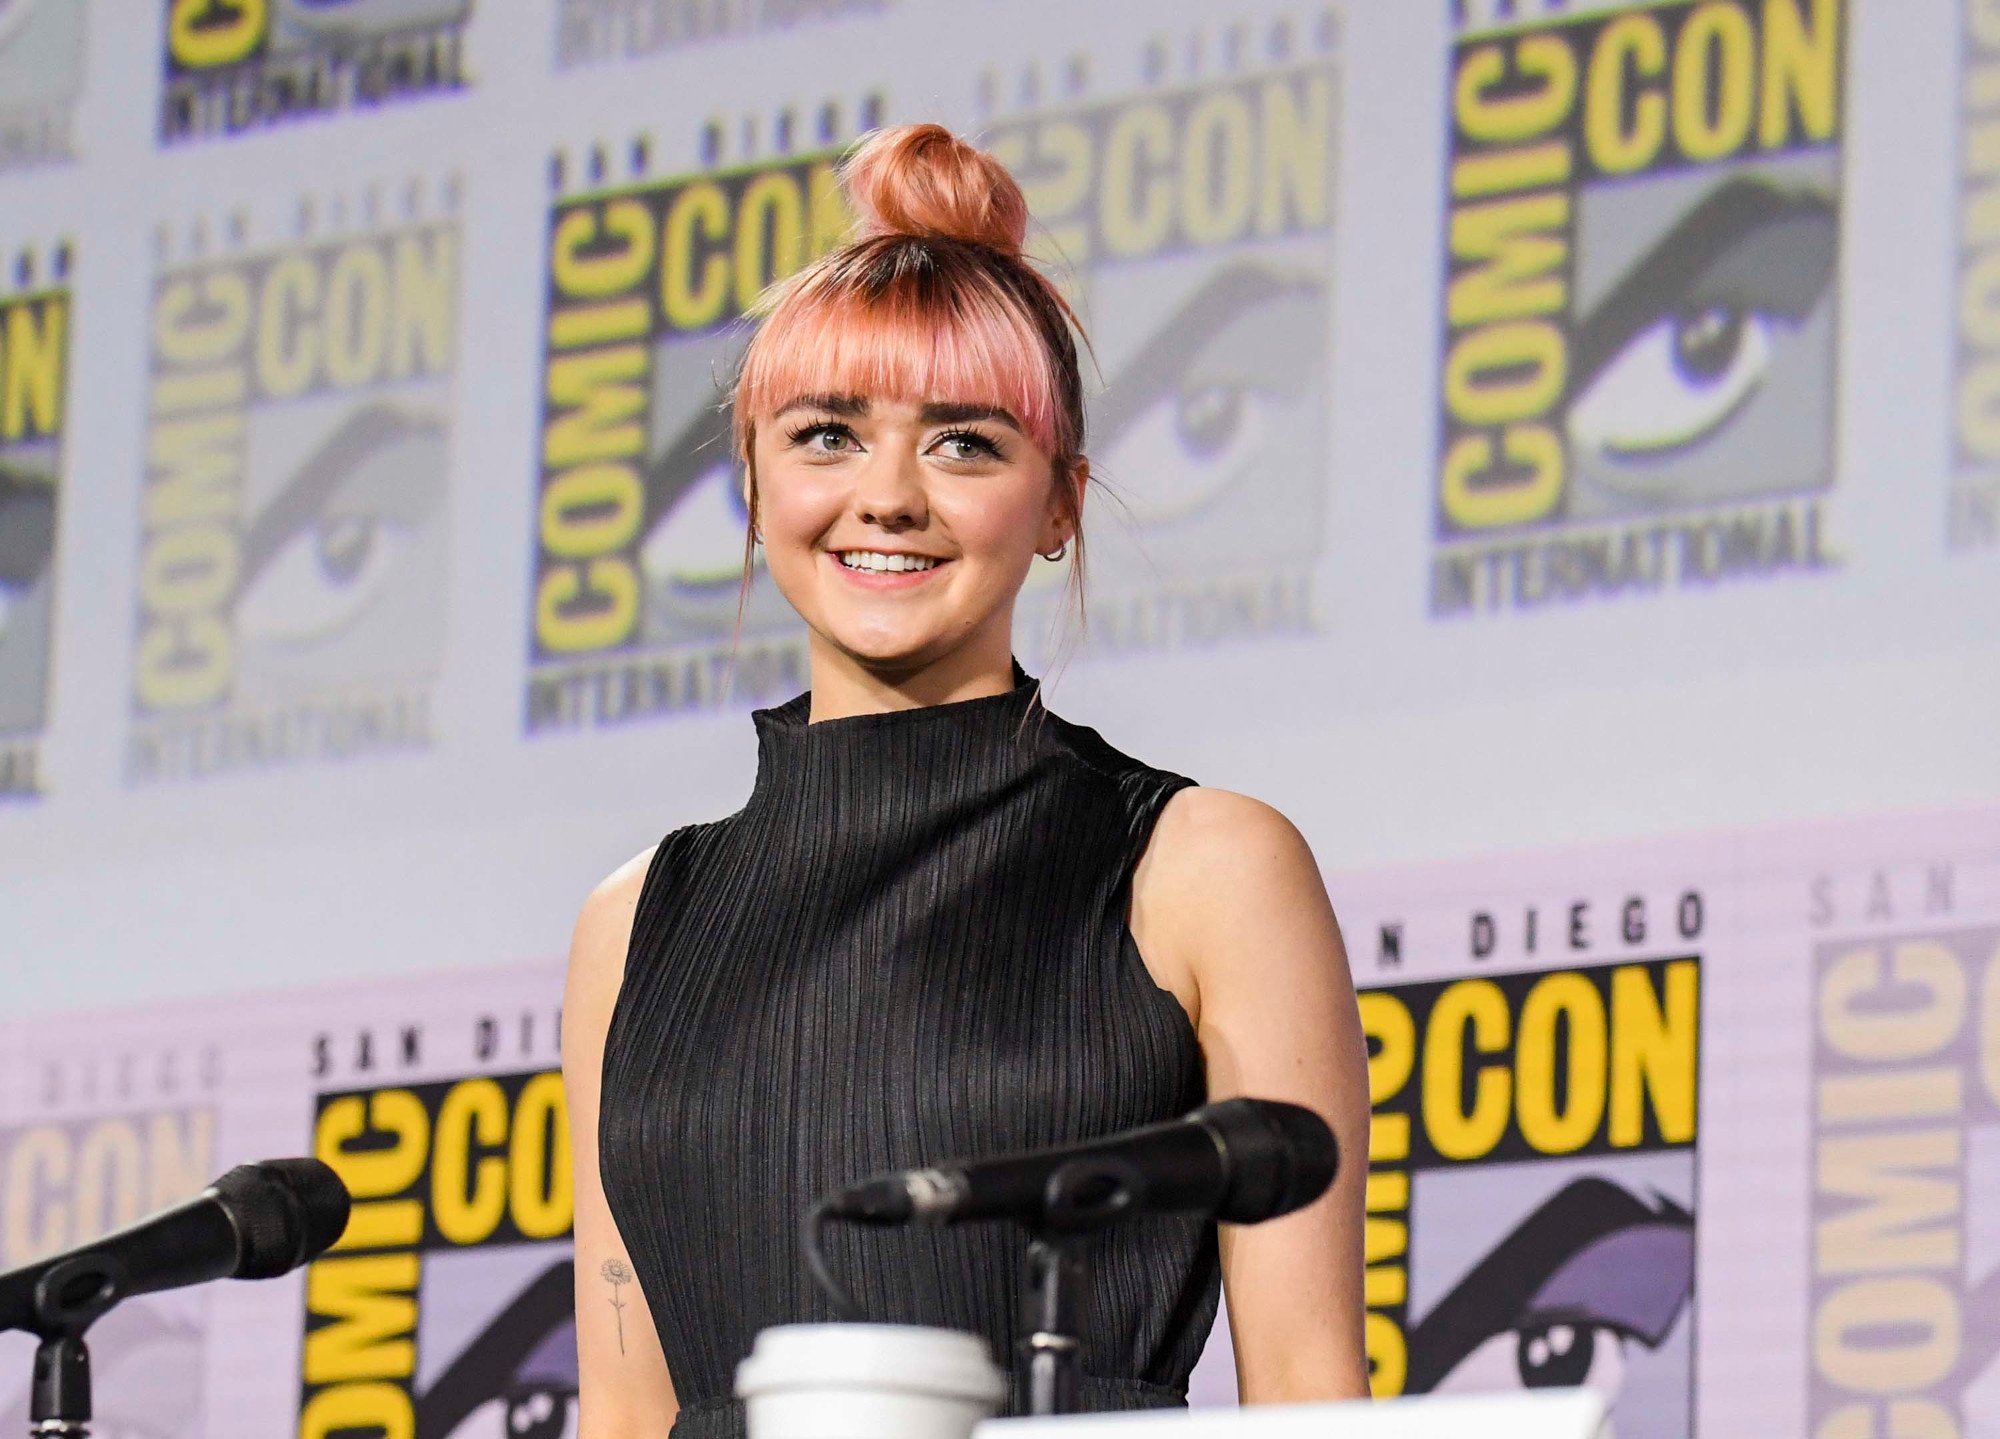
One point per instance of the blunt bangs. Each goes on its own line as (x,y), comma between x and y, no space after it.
(914,319)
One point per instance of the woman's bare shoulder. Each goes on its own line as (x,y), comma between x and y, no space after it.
(1218,867)
(604,931)
(1219,836)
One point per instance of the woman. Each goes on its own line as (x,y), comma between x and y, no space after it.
(946,923)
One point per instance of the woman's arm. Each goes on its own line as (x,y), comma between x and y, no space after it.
(624,1391)
(1230,912)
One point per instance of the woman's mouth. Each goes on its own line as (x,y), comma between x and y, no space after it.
(885,569)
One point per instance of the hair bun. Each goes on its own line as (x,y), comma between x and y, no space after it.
(924,181)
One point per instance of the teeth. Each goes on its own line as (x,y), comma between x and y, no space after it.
(874,560)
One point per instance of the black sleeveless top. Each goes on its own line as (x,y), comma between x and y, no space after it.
(909,946)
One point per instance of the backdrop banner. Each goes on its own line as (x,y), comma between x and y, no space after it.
(1637,368)
(1547,449)
(1193,217)
(1697,1125)
(291,562)
(34,410)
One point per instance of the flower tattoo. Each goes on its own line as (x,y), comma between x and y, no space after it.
(617,1276)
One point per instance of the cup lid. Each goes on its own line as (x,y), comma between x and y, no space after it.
(908,1357)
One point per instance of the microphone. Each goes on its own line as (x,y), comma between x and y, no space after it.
(255,1222)
(1243,1161)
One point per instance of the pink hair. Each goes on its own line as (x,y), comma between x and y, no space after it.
(932,300)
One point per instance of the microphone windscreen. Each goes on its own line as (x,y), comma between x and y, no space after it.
(324,1202)
(286,1212)
(1281,1157)
(1315,1155)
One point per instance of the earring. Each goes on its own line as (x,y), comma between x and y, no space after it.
(1061,550)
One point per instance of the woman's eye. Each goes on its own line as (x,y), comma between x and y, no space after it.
(967,447)
(827,439)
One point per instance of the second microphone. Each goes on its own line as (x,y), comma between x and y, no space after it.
(1242,1160)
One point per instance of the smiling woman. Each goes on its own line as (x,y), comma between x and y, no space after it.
(968,433)
(937,930)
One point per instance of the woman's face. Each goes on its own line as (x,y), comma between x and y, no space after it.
(901,530)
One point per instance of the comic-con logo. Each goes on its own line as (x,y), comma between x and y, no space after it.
(1905,1293)
(447,1308)
(1196,220)
(34,377)
(642,521)
(1531,1186)
(591,32)
(236,65)
(290,588)
(41,78)
(64,1182)
(1637,381)
(1973,517)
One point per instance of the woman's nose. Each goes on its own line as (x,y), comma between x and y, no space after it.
(889,491)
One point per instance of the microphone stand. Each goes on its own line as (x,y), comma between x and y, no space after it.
(1055,1271)
(59,1404)
(1082,1197)
(68,1300)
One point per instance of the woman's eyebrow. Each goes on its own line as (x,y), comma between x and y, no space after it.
(958,414)
(847,406)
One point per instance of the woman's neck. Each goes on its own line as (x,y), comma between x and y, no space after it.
(843,685)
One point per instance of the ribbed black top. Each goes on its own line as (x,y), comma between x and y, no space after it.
(909,946)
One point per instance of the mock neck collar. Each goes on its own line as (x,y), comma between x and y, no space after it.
(795,713)
(950,744)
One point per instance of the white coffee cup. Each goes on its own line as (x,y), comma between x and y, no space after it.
(867,1381)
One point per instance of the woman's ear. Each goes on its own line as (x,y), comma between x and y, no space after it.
(1066,502)
(750,480)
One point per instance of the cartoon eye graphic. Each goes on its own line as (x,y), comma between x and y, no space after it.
(1561,1300)
(1687,337)
(321,578)
(326,547)
(1680,379)
(516,1378)
(699,542)
(533,1413)
(696,519)
(541,1414)
(10,599)
(1186,448)
(1209,391)
(27,537)
(1542,1356)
